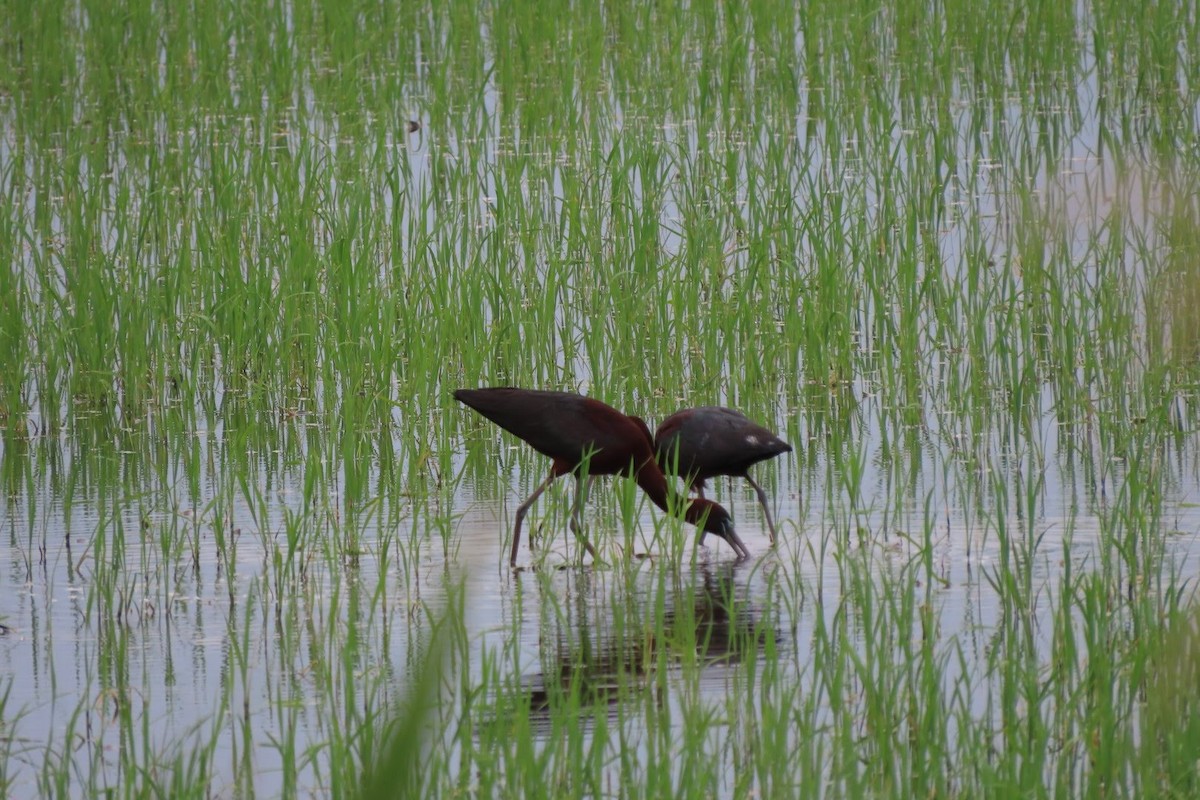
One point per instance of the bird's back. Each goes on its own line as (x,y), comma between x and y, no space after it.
(714,441)
(562,425)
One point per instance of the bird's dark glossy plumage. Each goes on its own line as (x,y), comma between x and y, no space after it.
(571,429)
(701,443)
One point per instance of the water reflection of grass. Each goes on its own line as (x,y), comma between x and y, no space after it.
(594,654)
(946,249)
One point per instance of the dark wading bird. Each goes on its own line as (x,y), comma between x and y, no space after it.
(574,430)
(701,443)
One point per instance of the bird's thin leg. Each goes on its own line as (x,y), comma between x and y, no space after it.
(582,487)
(699,487)
(762,498)
(521,511)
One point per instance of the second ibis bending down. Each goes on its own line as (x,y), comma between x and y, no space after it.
(574,430)
(701,443)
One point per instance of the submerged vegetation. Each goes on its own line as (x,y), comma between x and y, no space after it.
(949,250)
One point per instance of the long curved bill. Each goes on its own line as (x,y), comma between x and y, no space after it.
(737,544)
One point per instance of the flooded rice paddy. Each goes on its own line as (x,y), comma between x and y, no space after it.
(252,547)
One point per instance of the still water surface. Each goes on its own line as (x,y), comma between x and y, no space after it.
(200,632)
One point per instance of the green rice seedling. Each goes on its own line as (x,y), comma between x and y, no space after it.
(944,249)
(1165,726)
(9,741)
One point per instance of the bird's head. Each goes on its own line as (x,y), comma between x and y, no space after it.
(719,523)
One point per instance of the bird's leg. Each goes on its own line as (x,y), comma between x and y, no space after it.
(521,511)
(582,487)
(762,498)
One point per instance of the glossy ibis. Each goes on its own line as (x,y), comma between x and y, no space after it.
(700,443)
(573,430)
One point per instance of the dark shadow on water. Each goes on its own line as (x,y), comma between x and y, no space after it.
(610,637)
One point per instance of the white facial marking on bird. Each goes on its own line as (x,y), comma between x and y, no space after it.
(752,440)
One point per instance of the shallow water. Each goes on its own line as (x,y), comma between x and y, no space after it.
(258,578)
(193,636)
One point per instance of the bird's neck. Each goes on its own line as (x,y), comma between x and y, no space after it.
(654,484)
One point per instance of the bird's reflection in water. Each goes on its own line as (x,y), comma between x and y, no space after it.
(605,637)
